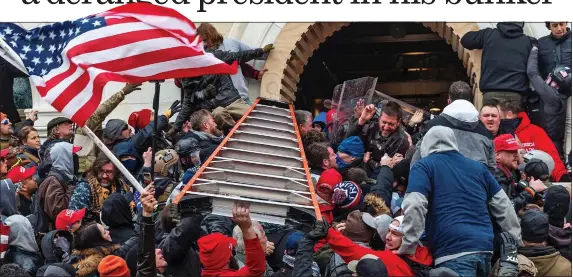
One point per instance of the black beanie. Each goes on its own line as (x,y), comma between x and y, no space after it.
(534,226)
(401,172)
(556,204)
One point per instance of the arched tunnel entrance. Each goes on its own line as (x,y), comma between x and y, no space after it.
(414,62)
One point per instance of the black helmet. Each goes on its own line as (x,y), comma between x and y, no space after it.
(560,79)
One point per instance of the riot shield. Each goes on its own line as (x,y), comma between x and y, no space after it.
(346,100)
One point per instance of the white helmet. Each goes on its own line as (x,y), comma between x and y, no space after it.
(538,154)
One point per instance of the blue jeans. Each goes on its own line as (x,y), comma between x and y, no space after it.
(478,264)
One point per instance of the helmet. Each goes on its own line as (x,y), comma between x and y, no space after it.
(165,160)
(538,154)
(188,150)
(560,79)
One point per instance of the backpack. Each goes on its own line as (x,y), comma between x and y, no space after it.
(418,269)
(337,267)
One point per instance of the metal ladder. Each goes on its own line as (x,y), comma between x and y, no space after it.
(261,161)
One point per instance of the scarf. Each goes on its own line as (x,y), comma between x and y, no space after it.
(289,260)
(98,193)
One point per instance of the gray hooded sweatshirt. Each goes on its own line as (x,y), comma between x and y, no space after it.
(62,159)
(447,187)
(22,234)
(473,140)
(7,199)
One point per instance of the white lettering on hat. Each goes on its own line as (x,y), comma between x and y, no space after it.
(69,213)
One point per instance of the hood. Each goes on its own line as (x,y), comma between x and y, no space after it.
(524,122)
(125,148)
(21,234)
(422,256)
(438,139)
(48,245)
(544,257)
(113,129)
(115,211)
(7,198)
(63,159)
(510,29)
(462,110)
(559,237)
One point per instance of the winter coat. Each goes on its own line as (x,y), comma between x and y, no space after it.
(50,251)
(560,239)
(139,143)
(396,266)
(474,141)
(116,214)
(30,154)
(56,190)
(504,57)
(45,157)
(177,248)
(533,137)
(554,103)
(226,92)
(547,260)
(374,142)
(201,142)
(548,56)
(85,192)
(23,249)
(440,184)
(508,179)
(303,262)
(384,184)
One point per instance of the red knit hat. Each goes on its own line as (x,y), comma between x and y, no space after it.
(328,179)
(113,266)
(140,119)
(215,250)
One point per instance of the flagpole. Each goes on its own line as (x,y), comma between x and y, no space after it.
(155,116)
(113,159)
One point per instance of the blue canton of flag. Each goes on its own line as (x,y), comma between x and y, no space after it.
(40,49)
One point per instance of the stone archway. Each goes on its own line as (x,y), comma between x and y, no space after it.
(297,42)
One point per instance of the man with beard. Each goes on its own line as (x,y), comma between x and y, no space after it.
(201,136)
(507,173)
(384,138)
(60,129)
(100,181)
(6,131)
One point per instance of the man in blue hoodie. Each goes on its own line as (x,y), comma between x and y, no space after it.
(451,198)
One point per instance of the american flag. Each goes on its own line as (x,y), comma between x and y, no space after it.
(70,62)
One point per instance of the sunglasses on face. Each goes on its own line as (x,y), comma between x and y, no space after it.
(5,121)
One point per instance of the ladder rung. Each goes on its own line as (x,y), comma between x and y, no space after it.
(218,169)
(266,164)
(266,144)
(238,198)
(269,120)
(264,135)
(249,186)
(256,152)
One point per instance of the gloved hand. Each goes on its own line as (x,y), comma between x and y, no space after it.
(268,48)
(319,231)
(210,91)
(507,255)
(534,42)
(175,108)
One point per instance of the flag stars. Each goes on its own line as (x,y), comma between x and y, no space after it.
(96,23)
(39,49)
(2,36)
(8,30)
(85,20)
(44,72)
(36,61)
(59,60)
(49,61)
(77,31)
(42,37)
(26,49)
(62,33)
(22,56)
(14,44)
(30,69)
(15,36)
(28,37)
(52,48)
(71,32)
(51,34)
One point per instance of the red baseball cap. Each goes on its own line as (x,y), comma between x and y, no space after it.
(76,149)
(4,153)
(20,173)
(68,217)
(505,142)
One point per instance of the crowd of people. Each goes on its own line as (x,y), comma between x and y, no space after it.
(466,193)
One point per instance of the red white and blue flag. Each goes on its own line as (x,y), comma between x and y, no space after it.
(70,62)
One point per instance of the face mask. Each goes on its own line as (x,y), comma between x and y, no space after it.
(130,165)
(340,163)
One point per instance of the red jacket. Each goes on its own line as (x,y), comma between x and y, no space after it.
(395,265)
(533,137)
(255,262)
